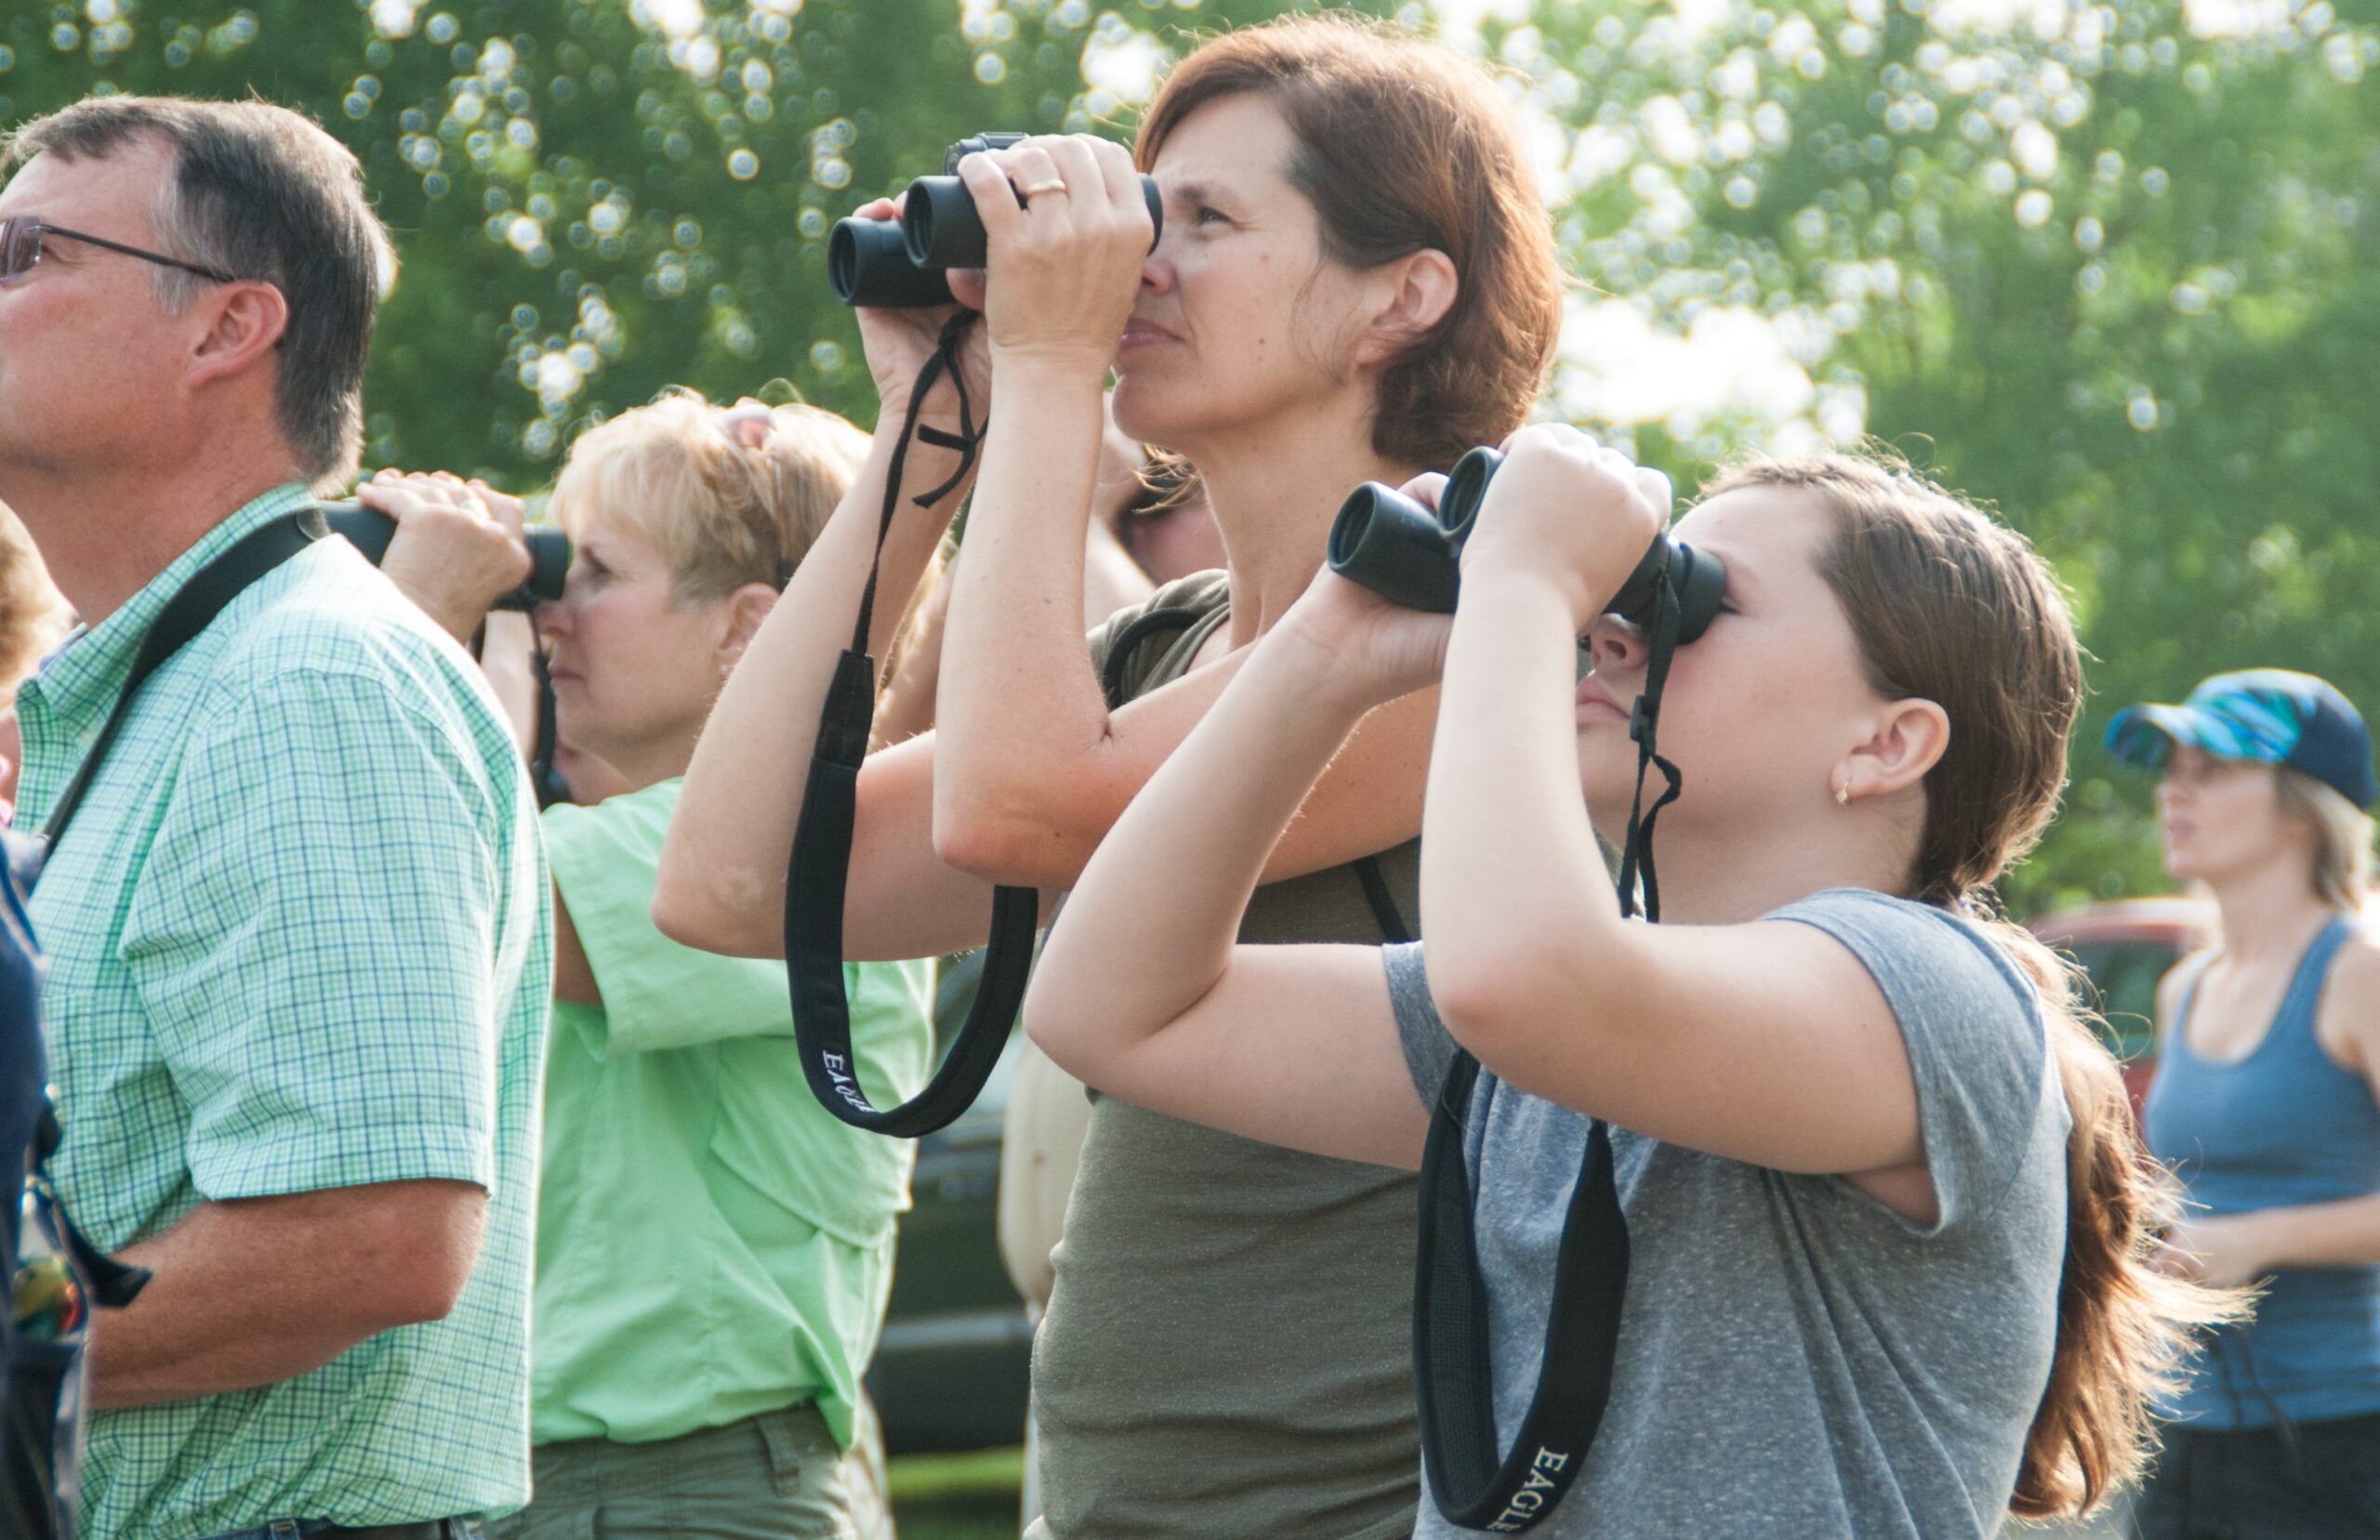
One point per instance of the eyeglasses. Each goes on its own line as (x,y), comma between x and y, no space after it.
(21,240)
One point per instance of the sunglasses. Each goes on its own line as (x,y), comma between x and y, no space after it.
(21,243)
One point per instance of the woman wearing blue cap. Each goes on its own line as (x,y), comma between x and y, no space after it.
(2267,1100)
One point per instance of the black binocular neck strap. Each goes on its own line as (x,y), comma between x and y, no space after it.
(114,1285)
(819,870)
(184,616)
(1643,726)
(1453,1355)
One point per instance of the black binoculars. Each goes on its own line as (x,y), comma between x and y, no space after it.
(370,530)
(901,264)
(1410,556)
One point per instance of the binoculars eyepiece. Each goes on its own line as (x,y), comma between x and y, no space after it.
(1411,556)
(370,530)
(901,264)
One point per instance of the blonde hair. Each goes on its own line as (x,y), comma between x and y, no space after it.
(1949,605)
(2342,838)
(725,515)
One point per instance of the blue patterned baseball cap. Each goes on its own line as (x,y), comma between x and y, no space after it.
(2269,715)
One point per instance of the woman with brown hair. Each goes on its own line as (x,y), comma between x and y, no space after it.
(1356,281)
(1885,1217)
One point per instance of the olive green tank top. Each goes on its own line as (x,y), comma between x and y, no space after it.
(1227,1352)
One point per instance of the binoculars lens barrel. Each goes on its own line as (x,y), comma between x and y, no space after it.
(370,530)
(1411,556)
(1466,484)
(888,264)
(1395,546)
(868,262)
(945,230)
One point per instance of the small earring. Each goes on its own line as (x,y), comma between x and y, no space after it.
(1843,797)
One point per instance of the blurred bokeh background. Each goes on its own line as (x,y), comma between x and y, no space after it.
(2115,267)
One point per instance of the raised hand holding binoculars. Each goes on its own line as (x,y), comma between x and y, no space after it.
(370,530)
(1411,556)
(470,553)
(904,263)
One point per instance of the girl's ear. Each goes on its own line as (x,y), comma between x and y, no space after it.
(1905,739)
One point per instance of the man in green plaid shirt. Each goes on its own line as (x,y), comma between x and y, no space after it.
(299,933)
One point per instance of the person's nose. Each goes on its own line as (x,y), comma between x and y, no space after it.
(1616,646)
(1157,268)
(552,616)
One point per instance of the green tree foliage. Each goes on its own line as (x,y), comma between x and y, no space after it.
(2112,266)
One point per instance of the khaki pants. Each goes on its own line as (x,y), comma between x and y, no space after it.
(775,1477)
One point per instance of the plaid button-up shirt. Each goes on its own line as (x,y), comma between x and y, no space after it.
(299,936)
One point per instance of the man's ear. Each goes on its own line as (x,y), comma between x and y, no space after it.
(742,614)
(1418,290)
(245,322)
(1907,739)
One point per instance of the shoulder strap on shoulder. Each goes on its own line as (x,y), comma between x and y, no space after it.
(1163,621)
(185,615)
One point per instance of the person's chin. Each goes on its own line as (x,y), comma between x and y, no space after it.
(1146,408)
(2187,865)
(1606,775)
(571,723)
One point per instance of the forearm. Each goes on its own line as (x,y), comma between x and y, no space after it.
(2337,1234)
(228,1309)
(904,708)
(1515,897)
(722,881)
(504,659)
(1018,699)
(1152,925)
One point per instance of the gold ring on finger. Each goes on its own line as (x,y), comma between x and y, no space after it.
(1052,185)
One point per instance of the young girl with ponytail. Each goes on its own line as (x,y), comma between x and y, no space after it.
(1885,1220)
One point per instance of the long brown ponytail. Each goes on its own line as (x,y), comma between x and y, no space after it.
(1950,606)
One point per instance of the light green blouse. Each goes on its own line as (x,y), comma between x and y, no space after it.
(711,1242)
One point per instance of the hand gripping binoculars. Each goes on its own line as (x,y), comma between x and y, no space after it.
(902,264)
(1410,556)
(370,530)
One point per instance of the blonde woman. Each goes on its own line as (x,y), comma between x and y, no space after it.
(2267,1100)
(714,1250)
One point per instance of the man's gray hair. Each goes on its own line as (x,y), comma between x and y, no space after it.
(264,193)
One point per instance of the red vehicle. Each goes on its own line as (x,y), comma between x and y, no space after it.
(2126,946)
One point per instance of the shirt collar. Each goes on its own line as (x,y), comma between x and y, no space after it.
(80,682)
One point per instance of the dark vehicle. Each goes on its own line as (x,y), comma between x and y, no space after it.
(952,1367)
(2126,946)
